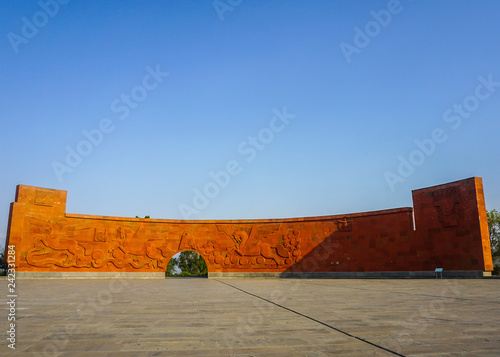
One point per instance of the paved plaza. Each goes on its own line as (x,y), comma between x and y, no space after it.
(254,317)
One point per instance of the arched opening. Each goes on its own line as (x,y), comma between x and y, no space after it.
(187,263)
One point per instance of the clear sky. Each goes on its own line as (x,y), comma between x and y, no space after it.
(247,109)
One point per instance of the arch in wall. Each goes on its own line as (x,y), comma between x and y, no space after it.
(203,267)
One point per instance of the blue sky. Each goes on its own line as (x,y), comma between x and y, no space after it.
(310,107)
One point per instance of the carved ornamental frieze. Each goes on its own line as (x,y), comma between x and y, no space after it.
(448,233)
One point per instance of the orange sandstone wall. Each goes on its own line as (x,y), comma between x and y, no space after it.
(451,233)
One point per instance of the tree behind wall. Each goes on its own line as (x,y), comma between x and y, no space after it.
(171,267)
(188,263)
(192,264)
(494,229)
(3,264)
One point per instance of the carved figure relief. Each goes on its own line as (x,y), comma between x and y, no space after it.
(186,242)
(344,224)
(100,235)
(250,247)
(56,245)
(123,233)
(446,202)
(124,252)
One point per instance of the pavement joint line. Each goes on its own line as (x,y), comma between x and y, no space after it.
(401,292)
(313,319)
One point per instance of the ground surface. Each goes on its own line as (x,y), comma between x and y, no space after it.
(254,317)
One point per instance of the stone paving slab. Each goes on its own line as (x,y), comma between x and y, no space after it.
(254,317)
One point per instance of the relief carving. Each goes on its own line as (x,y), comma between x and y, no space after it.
(344,225)
(124,252)
(44,197)
(49,240)
(55,245)
(250,247)
(446,202)
(100,235)
(186,242)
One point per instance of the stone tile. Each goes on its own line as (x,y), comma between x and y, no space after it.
(266,317)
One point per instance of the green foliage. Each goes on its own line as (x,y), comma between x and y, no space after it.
(192,263)
(170,268)
(3,264)
(189,263)
(494,228)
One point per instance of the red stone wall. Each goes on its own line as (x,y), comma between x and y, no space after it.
(452,225)
(451,233)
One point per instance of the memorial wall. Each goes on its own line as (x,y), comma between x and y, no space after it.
(447,228)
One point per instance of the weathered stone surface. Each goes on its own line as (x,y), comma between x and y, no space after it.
(451,233)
